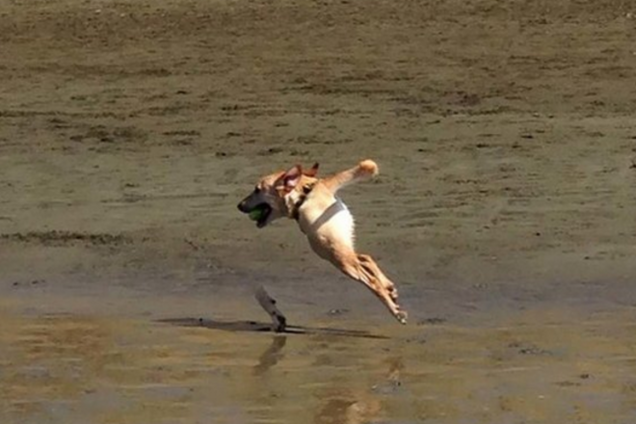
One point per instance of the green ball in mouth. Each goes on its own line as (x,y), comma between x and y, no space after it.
(257,213)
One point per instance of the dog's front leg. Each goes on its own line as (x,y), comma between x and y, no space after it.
(279,322)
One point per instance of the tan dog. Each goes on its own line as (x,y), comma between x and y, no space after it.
(326,222)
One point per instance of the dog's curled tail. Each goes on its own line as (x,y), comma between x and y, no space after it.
(367,168)
(364,170)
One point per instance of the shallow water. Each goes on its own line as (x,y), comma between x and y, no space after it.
(540,368)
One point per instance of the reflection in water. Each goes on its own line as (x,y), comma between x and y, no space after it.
(340,399)
(345,408)
(70,369)
(346,404)
(271,356)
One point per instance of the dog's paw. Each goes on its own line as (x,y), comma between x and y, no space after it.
(280,323)
(401,316)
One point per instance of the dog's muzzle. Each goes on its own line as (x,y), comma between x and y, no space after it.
(263,212)
(242,207)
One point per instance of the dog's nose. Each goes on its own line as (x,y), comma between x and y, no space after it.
(241,207)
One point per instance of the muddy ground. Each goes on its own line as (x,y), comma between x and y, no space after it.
(506,138)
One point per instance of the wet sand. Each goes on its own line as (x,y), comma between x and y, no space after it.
(504,211)
(540,368)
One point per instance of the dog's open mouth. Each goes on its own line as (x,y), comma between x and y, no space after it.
(260,214)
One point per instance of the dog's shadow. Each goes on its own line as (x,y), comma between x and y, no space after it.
(260,327)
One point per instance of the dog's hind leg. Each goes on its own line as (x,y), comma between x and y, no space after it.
(368,273)
(372,267)
(279,322)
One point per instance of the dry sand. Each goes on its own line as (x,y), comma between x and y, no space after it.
(506,138)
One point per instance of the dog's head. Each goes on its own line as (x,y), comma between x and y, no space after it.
(269,200)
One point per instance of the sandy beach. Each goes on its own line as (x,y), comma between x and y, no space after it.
(504,211)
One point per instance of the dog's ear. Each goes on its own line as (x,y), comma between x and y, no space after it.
(291,178)
(313,171)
